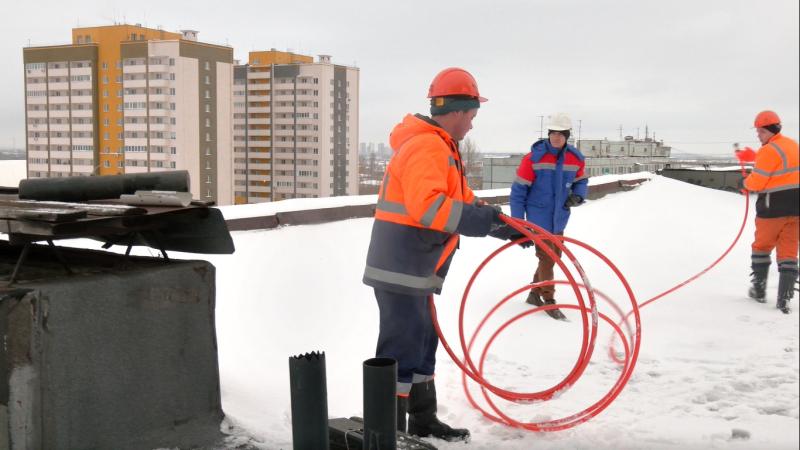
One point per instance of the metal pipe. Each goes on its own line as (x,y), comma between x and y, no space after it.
(78,189)
(380,404)
(309,401)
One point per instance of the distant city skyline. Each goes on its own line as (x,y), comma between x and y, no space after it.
(695,73)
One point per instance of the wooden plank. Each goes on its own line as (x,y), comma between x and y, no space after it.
(54,215)
(102,210)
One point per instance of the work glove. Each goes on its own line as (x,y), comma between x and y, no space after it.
(746,155)
(506,233)
(573,200)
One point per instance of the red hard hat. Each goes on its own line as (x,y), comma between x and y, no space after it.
(454,81)
(766,118)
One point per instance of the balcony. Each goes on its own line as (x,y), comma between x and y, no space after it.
(162,68)
(258,75)
(161,83)
(265,132)
(133,84)
(259,166)
(134,68)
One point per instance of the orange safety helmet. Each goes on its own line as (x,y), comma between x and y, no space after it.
(454,81)
(766,118)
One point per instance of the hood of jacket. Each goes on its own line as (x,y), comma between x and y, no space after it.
(413,126)
(543,146)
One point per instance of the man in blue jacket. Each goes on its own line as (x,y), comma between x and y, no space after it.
(550,180)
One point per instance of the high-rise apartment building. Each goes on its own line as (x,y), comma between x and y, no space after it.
(130,99)
(295,128)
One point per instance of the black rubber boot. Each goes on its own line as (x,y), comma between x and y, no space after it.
(422,420)
(758,285)
(786,290)
(554,313)
(402,410)
(536,300)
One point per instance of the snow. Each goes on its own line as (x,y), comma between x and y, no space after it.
(718,168)
(11,171)
(299,204)
(715,367)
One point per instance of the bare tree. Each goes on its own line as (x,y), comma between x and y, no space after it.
(473,163)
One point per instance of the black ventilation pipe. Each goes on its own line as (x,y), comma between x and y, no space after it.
(309,402)
(380,404)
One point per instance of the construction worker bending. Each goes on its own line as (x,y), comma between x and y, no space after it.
(424,204)
(776,179)
(550,181)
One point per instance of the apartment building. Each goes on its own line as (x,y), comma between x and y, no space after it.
(131,99)
(295,126)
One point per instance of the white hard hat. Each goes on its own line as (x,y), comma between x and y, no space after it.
(559,122)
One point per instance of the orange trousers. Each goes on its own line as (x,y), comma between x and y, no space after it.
(782,233)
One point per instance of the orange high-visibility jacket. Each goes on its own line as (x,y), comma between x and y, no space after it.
(423,203)
(776,178)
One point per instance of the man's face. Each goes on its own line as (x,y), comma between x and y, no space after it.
(557,140)
(463,123)
(764,135)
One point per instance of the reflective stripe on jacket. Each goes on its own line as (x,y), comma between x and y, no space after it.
(545,178)
(423,198)
(776,178)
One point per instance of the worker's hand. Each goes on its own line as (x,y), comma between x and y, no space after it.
(573,200)
(506,233)
(517,235)
(746,155)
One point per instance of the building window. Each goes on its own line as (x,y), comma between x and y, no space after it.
(208,108)
(207,79)
(208,137)
(208,122)
(208,65)
(208,93)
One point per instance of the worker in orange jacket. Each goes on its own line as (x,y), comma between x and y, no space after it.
(423,205)
(776,179)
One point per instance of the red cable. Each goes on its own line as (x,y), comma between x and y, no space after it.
(538,236)
(611,352)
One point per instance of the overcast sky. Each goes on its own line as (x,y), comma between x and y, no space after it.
(696,72)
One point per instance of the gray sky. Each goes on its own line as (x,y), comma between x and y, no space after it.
(696,71)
